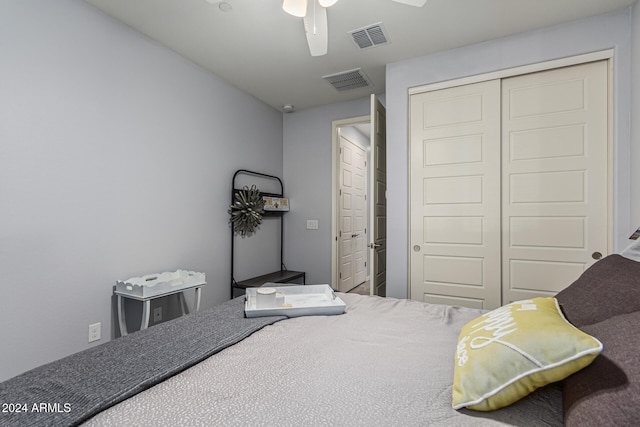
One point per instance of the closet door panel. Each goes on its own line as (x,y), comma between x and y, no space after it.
(543,276)
(554,177)
(508,186)
(455,196)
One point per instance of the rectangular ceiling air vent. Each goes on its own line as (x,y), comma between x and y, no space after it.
(348,80)
(370,36)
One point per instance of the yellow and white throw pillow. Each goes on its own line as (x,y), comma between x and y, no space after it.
(507,353)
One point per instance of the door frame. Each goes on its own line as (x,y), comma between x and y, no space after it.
(335,189)
(607,55)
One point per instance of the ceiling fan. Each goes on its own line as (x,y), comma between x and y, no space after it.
(314,16)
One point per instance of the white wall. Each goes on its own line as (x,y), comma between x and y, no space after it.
(595,34)
(116,157)
(307,175)
(354,135)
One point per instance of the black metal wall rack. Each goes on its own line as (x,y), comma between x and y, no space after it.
(281,276)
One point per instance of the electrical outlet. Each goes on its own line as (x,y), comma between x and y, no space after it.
(157,314)
(312,224)
(94,331)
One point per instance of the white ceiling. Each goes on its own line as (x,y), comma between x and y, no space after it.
(258,47)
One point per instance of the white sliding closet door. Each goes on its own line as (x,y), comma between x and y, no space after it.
(509,186)
(554,177)
(455,195)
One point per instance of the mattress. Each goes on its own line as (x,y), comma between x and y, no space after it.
(383,362)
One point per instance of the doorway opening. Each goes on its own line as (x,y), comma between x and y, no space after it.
(359,241)
(352,157)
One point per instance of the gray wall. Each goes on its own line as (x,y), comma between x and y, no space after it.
(116,157)
(599,33)
(307,176)
(635,123)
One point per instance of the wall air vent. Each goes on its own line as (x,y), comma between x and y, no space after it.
(348,80)
(369,36)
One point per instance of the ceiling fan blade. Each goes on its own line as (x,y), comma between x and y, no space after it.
(416,3)
(317,29)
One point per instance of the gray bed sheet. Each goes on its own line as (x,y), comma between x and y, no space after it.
(385,362)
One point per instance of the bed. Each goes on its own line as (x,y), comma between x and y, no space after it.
(383,362)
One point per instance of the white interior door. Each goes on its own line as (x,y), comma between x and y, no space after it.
(353,216)
(554,155)
(455,196)
(378,201)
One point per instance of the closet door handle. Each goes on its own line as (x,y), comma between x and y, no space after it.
(596,255)
(355,235)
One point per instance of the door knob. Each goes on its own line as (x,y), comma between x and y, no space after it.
(374,245)
(596,255)
(355,235)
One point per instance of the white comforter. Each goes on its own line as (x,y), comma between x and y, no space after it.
(385,362)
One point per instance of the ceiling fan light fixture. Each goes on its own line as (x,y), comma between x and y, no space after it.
(295,7)
(327,3)
(416,3)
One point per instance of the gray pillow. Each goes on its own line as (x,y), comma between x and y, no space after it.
(606,289)
(607,392)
